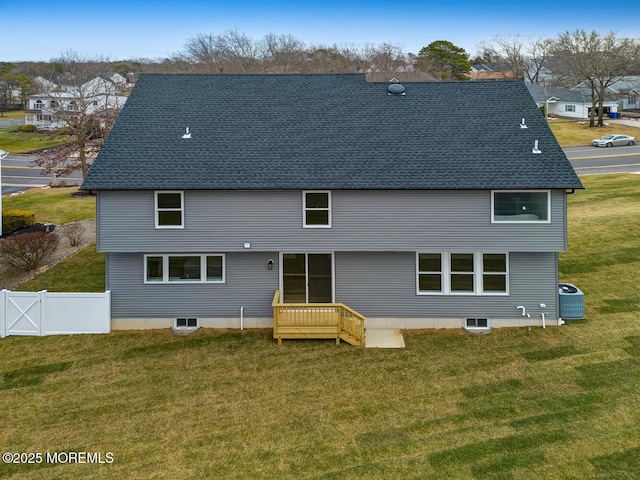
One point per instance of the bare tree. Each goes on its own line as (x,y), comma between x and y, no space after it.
(327,60)
(235,52)
(232,52)
(597,60)
(539,52)
(85,102)
(283,54)
(517,56)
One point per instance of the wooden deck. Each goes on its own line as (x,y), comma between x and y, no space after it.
(317,320)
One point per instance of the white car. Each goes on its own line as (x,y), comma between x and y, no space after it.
(613,141)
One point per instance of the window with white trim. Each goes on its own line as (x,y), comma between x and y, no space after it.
(476,323)
(169,206)
(316,209)
(430,272)
(187,268)
(569,108)
(494,273)
(521,206)
(446,273)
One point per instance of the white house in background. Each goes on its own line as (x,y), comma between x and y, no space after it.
(108,84)
(626,92)
(567,103)
(49,111)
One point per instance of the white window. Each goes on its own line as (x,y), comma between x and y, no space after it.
(187,268)
(462,273)
(430,273)
(520,206)
(476,323)
(447,273)
(316,209)
(494,273)
(186,323)
(169,209)
(569,108)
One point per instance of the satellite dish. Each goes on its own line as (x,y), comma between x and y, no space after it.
(396,89)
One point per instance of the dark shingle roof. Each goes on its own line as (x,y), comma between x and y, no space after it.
(327,132)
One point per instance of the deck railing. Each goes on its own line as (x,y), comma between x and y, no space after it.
(317,320)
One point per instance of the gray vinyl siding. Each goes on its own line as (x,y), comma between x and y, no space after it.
(249,283)
(416,220)
(384,285)
(381,284)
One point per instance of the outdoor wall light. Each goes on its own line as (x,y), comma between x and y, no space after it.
(270,264)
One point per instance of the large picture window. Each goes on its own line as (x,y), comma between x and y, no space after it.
(316,209)
(533,206)
(184,268)
(169,209)
(444,273)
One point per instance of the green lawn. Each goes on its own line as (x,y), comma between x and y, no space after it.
(53,205)
(560,403)
(570,133)
(14,141)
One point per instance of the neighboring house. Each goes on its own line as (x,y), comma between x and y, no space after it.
(110,84)
(567,103)
(423,205)
(50,111)
(625,91)
(489,71)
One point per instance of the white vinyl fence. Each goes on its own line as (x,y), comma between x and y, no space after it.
(45,313)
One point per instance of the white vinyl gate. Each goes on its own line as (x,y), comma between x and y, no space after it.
(49,313)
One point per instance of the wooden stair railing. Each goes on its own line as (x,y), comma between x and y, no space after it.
(317,320)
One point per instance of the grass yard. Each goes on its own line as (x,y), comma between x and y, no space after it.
(82,272)
(560,403)
(15,141)
(53,205)
(570,133)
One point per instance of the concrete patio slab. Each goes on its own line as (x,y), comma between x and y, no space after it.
(383,338)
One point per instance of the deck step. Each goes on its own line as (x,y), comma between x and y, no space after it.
(350,339)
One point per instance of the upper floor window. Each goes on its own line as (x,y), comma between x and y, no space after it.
(316,209)
(37,105)
(532,206)
(169,209)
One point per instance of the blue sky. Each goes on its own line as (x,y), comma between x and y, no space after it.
(119,29)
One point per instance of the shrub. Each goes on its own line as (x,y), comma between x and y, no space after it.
(13,220)
(27,251)
(28,128)
(63,131)
(74,232)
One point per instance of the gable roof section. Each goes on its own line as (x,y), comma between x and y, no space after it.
(327,132)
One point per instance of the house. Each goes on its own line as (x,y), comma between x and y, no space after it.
(625,92)
(489,71)
(58,104)
(420,205)
(50,111)
(567,103)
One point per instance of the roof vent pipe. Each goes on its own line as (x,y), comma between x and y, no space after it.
(535,148)
(523,125)
(187,133)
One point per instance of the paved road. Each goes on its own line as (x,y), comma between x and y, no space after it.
(18,174)
(588,160)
